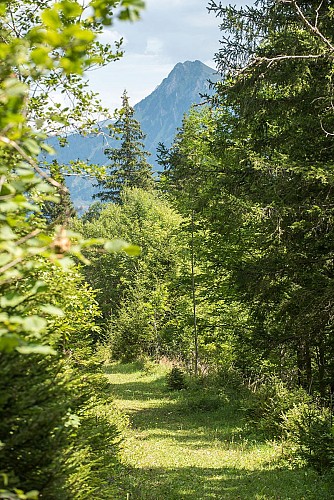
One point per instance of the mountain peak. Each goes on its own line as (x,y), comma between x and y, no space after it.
(191,66)
(161,113)
(186,64)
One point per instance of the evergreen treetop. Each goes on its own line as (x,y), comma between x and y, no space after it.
(128,163)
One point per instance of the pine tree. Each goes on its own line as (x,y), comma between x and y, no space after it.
(129,166)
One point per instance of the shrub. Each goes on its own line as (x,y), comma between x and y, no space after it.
(33,412)
(60,432)
(266,406)
(229,378)
(176,379)
(310,432)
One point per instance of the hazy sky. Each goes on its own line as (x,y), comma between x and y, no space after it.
(169,32)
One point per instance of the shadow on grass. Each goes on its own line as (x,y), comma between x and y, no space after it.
(198,420)
(141,391)
(174,415)
(194,483)
(205,416)
(192,430)
(124,368)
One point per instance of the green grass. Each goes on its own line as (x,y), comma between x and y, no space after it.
(191,445)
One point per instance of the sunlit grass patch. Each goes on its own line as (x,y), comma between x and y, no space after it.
(192,445)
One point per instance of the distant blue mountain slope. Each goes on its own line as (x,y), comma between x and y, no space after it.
(160,115)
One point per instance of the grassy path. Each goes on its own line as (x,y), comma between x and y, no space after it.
(190,446)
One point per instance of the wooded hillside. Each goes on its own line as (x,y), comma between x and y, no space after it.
(220,268)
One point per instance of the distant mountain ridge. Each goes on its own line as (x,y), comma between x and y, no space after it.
(160,115)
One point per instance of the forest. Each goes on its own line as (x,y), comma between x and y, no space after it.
(205,288)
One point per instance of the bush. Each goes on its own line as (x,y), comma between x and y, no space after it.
(310,432)
(176,379)
(229,378)
(33,412)
(60,432)
(266,406)
(93,451)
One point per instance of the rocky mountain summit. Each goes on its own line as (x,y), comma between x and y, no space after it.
(160,115)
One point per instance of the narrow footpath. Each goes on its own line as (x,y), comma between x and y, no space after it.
(186,446)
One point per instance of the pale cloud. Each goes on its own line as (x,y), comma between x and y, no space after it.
(111,36)
(154,46)
(185,30)
(139,74)
(169,32)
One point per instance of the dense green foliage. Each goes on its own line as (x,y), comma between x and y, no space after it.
(54,427)
(279,169)
(309,429)
(257,173)
(176,379)
(49,426)
(137,296)
(235,273)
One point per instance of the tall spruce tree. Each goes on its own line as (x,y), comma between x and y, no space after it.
(129,166)
(279,85)
(258,173)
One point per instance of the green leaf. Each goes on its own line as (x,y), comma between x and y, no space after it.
(51,18)
(5,258)
(32,495)
(53,38)
(14,87)
(70,66)
(78,33)
(119,245)
(32,146)
(3,317)
(36,349)
(52,310)
(140,4)
(38,287)
(131,10)
(40,56)
(65,263)
(71,9)
(132,250)
(34,324)
(6,233)
(11,299)
(48,148)
(92,241)
(9,342)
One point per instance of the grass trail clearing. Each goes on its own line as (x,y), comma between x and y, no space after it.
(189,446)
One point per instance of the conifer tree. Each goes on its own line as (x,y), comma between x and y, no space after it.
(129,166)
